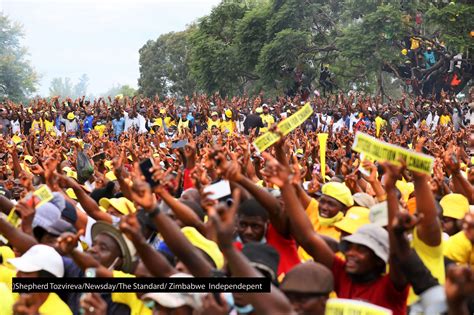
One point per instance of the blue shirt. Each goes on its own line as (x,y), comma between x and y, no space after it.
(88,123)
(118,125)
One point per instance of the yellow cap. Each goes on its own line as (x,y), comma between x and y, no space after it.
(162,111)
(454,206)
(110,176)
(71,194)
(404,51)
(228,113)
(259,110)
(6,253)
(405,189)
(29,158)
(108,164)
(16,139)
(340,192)
(299,151)
(353,220)
(119,204)
(70,172)
(214,114)
(70,116)
(204,244)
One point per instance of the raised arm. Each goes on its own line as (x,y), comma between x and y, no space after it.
(393,173)
(88,204)
(274,302)
(155,262)
(170,232)
(300,226)
(16,237)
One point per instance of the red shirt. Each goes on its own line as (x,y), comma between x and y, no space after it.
(380,291)
(286,247)
(187,181)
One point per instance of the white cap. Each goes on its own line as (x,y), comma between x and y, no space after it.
(175,300)
(40,257)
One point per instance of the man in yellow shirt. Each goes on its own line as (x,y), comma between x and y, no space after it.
(214,121)
(333,204)
(228,125)
(267,118)
(459,246)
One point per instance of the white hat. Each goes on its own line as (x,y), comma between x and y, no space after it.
(40,257)
(175,300)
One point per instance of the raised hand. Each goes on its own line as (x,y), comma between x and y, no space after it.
(68,241)
(274,172)
(223,221)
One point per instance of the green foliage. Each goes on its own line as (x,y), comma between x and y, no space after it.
(17,77)
(454,22)
(125,90)
(64,87)
(164,65)
(249,46)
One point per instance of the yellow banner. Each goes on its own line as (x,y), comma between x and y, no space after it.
(286,126)
(351,307)
(379,150)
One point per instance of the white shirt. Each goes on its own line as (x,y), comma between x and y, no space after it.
(15,126)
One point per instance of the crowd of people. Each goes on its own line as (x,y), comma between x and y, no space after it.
(366,230)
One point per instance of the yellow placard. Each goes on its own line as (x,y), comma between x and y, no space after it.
(351,307)
(44,194)
(323,139)
(286,126)
(380,150)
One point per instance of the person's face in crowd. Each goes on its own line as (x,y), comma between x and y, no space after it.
(106,251)
(183,310)
(266,110)
(214,117)
(451,226)
(329,207)
(307,303)
(251,228)
(361,260)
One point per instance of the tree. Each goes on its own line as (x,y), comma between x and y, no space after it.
(164,65)
(61,87)
(124,90)
(17,77)
(80,88)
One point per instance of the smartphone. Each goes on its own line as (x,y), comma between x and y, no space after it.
(145,166)
(219,190)
(179,144)
(98,157)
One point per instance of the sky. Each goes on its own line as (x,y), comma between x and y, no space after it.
(101,38)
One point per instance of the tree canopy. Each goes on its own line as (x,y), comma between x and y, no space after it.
(17,77)
(282,46)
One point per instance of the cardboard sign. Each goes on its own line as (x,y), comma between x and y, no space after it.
(380,150)
(286,126)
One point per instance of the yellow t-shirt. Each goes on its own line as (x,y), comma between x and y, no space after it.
(211,123)
(228,126)
(37,125)
(100,129)
(312,213)
(444,120)
(267,120)
(432,257)
(459,249)
(6,306)
(182,125)
(137,307)
(54,306)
